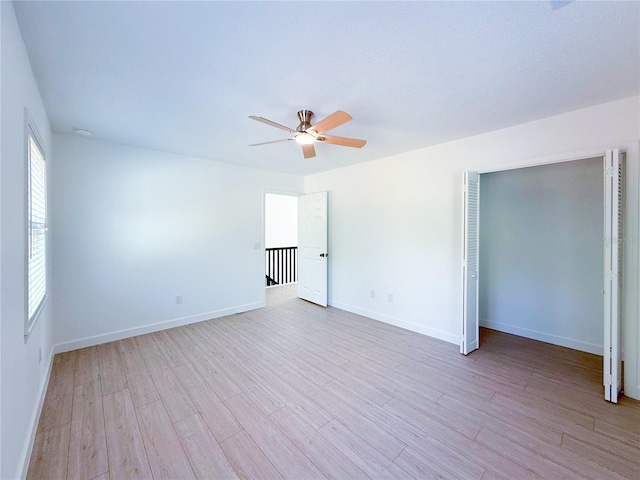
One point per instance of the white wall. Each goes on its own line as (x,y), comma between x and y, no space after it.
(541,253)
(395,224)
(281,221)
(136,227)
(23,377)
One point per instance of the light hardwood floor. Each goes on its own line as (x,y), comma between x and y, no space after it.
(301,392)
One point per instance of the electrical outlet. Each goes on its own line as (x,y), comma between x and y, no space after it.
(390,298)
(373,294)
(178,299)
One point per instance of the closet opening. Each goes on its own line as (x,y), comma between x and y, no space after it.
(543,260)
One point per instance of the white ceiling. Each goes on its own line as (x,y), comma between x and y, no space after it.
(184,76)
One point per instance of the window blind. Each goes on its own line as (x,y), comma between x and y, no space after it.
(37,217)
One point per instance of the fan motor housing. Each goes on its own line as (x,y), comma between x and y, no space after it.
(305,120)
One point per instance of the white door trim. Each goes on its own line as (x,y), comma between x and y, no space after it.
(575,155)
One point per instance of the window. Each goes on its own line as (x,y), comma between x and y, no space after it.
(37,228)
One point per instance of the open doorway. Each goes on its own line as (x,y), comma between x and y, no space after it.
(544,275)
(281,239)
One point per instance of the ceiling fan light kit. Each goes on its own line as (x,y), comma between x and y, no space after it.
(305,138)
(306,134)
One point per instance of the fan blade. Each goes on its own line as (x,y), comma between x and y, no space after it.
(332,121)
(273,141)
(273,124)
(343,141)
(309,151)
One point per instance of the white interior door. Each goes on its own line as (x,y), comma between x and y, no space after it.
(471,215)
(613,189)
(312,248)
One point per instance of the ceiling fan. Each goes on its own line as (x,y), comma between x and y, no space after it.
(306,134)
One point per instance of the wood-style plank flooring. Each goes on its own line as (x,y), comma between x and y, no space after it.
(297,391)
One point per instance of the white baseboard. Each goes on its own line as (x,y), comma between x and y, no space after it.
(153,327)
(27,449)
(440,335)
(543,337)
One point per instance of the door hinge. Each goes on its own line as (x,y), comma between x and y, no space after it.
(609,380)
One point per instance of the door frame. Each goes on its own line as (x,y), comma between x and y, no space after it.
(630,280)
(263,242)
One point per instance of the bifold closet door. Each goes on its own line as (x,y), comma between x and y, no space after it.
(471,215)
(613,241)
